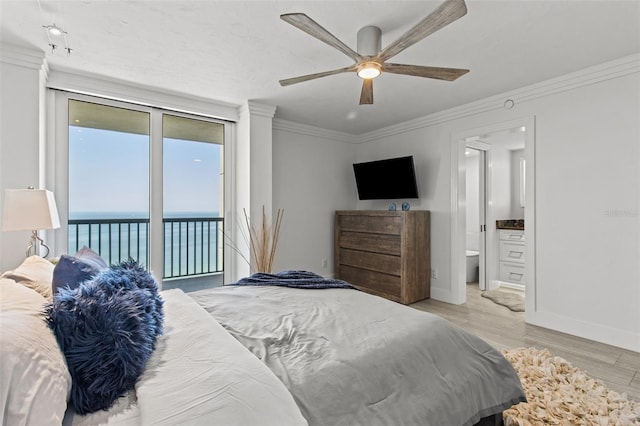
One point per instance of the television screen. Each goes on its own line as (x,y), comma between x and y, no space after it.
(389,179)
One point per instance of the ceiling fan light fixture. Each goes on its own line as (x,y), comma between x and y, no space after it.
(370,60)
(369,70)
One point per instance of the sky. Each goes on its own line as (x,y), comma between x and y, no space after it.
(109,173)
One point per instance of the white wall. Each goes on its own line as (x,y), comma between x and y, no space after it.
(517,212)
(312,178)
(587,197)
(588,170)
(253,191)
(21,135)
(500,182)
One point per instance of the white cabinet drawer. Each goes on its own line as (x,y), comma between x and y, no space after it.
(511,235)
(511,272)
(511,252)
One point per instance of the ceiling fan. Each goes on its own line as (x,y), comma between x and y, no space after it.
(370,61)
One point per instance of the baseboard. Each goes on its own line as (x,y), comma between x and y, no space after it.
(493,284)
(511,285)
(443,295)
(599,333)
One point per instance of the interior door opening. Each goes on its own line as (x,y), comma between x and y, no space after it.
(509,149)
(494,200)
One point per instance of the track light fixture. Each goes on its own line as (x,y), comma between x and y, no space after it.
(54,32)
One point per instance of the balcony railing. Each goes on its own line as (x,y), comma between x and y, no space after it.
(192,246)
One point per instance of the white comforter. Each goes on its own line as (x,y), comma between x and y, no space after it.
(200,375)
(349,358)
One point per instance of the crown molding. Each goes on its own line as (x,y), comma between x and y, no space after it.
(110,88)
(308,130)
(588,76)
(22,56)
(256,108)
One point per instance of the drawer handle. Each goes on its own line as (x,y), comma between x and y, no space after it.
(515,276)
(515,254)
(515,237)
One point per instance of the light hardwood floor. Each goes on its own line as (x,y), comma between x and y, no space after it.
(617,368)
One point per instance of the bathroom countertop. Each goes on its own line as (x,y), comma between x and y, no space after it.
(517,224)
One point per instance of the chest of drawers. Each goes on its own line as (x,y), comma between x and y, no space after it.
(384,253)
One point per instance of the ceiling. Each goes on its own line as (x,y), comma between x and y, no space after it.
(234,51)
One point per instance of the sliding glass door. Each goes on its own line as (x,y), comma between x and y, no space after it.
(193,189)
(148,184)
(109,181)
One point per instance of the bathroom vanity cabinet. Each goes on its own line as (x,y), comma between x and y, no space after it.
(512,256)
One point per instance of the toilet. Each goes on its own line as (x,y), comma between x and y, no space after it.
(472,266)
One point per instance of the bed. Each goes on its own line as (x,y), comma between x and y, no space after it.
(273,355)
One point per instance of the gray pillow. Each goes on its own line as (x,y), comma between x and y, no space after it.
(70,271)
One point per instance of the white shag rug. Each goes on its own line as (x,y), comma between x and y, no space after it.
(561,394)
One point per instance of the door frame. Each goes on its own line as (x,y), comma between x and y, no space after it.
(458,209)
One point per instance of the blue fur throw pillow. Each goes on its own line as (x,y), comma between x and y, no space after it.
(107,328)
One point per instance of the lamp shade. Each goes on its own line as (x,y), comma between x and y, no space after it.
(29,209)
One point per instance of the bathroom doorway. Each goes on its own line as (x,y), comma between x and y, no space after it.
(495,255)
(498,160)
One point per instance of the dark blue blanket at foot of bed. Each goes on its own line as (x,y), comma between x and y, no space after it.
(293,279)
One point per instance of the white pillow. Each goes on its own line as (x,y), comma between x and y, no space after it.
(35,273)
(35,382)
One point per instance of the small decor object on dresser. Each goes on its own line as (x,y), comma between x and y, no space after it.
(392,207)
(385,253)
(406,206)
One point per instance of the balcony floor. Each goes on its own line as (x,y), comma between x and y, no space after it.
(195,283)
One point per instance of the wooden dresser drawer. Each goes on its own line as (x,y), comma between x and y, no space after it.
(375,243)
(380,283)
(376,224)
(371,261)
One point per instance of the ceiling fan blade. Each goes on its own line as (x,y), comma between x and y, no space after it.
(448,74)
(311,27)
(294,80)
(366,96)
(445,14)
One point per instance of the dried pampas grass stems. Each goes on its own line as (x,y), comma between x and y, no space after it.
(263,241)
(561,394)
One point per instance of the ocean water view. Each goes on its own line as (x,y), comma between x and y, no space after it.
(193,241)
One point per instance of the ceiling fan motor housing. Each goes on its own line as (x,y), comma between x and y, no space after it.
(369,40)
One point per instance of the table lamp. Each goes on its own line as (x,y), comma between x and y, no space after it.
(30,209)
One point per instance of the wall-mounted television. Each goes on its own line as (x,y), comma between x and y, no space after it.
(393,178)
